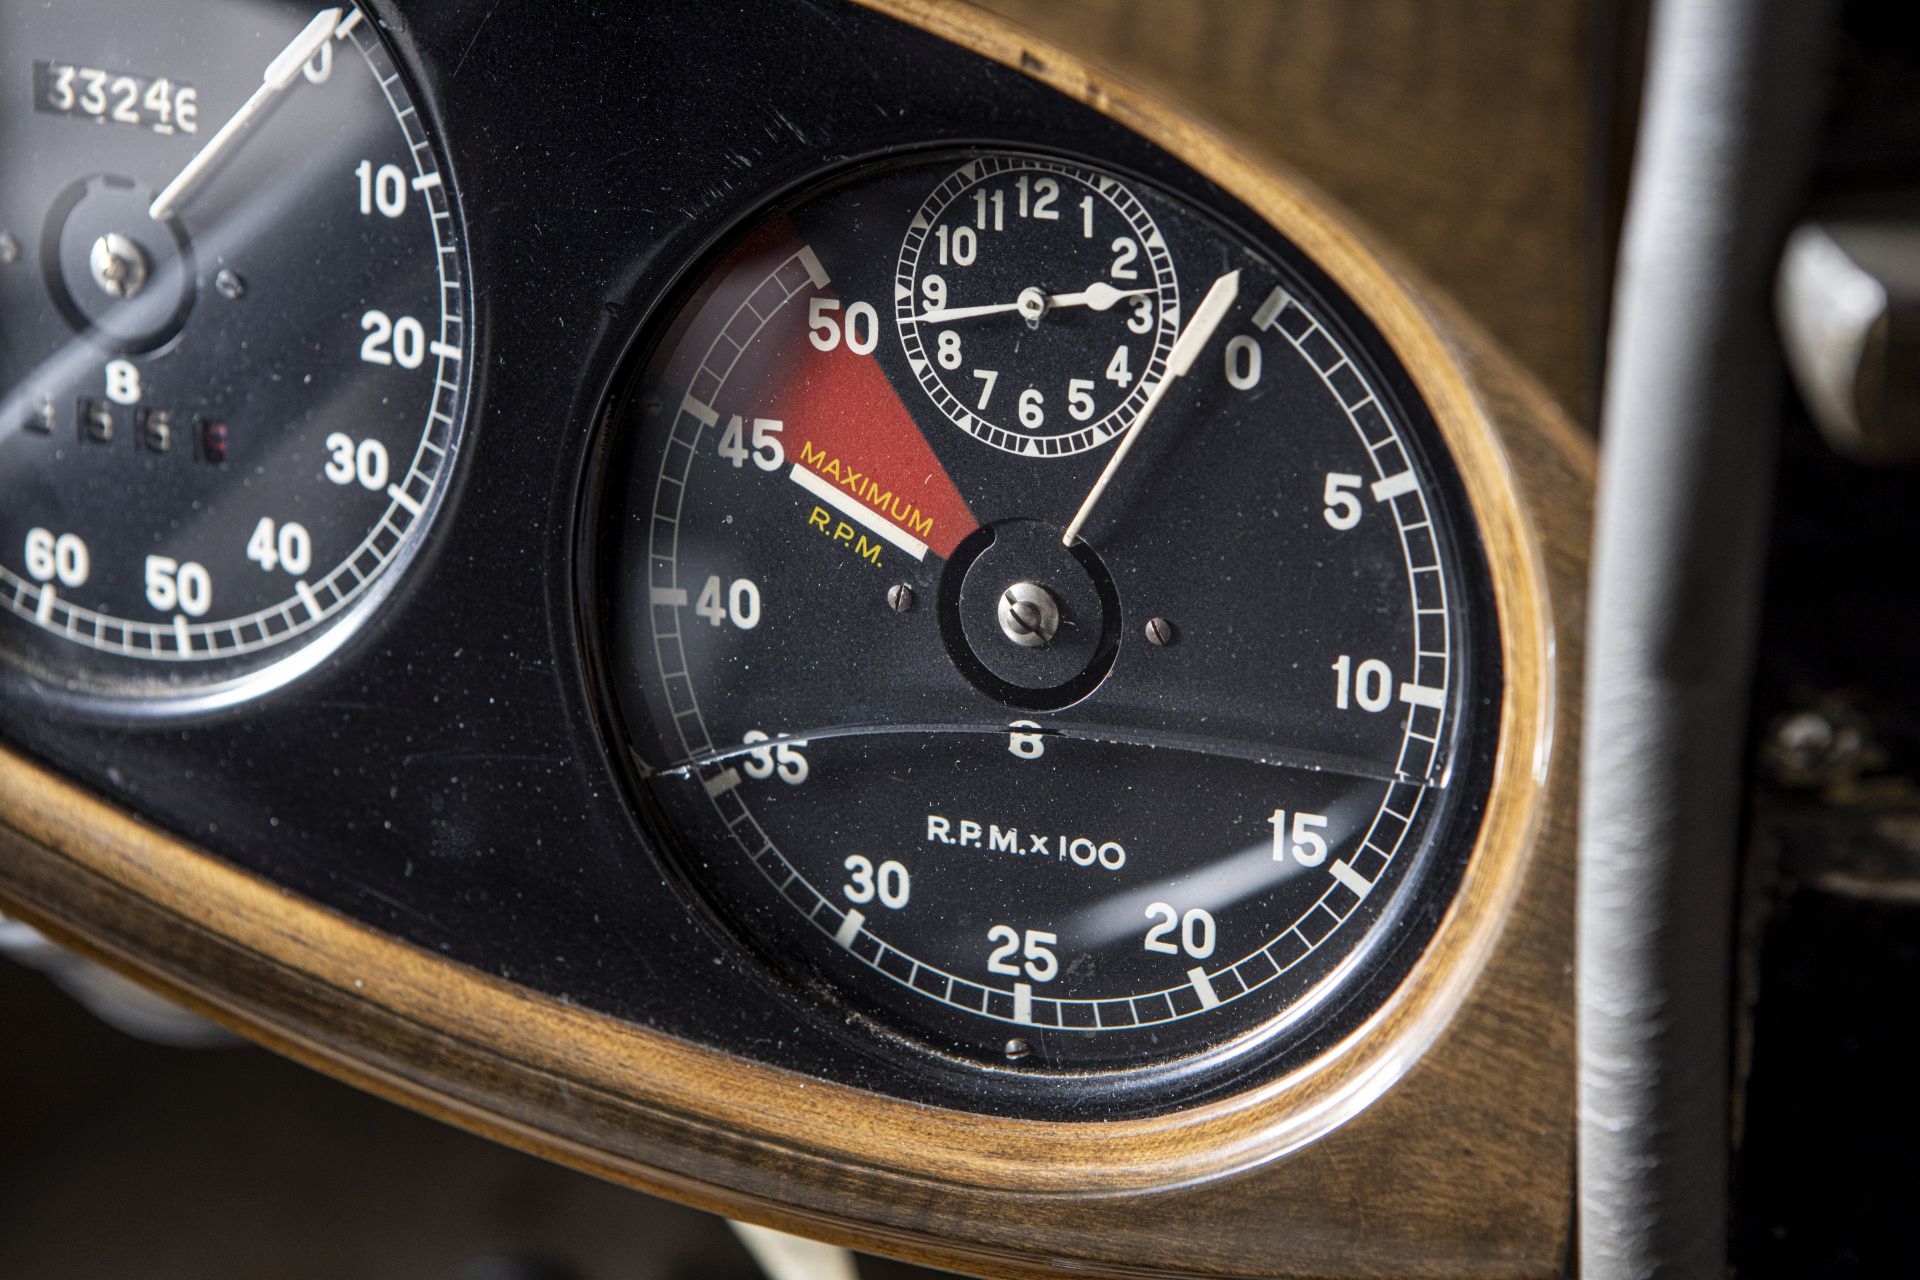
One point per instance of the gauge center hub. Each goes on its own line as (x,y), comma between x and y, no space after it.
(115,274)
(1032,304)
(1027,620)
(1029,615)
(119,265)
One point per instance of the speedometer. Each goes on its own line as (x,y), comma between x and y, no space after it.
(232,334)
(1093,670)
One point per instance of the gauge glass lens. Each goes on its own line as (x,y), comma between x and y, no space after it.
(232,332)
(1174,787)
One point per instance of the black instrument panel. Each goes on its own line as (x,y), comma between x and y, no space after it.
(453,774)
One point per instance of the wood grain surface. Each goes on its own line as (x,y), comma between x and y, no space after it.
(1463,131)
(1435,1141)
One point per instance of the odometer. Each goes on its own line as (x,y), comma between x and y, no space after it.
(232,332)
(1115,691)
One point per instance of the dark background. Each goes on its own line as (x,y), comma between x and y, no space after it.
(123,1160)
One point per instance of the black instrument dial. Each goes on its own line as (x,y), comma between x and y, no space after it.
(232,333)
(1053,757)
(1059,238)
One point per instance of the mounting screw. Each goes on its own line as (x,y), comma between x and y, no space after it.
(1159,631)
(229,283)
(900,597)
(1029,615)
(119,265)
(1017,1049)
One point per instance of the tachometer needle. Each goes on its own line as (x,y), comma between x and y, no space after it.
(1206,318)
(279,74)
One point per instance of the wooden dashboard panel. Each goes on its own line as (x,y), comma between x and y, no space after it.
(1467,134)
(1435,1142)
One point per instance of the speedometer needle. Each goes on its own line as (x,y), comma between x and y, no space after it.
(1098,296)
(1206,318)
(279,74)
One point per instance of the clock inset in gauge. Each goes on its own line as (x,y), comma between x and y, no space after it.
(1037,302)
(1059,758)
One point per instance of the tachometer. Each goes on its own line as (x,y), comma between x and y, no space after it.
(232,333)
(1054,757)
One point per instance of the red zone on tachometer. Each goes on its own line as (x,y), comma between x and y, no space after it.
(847,439)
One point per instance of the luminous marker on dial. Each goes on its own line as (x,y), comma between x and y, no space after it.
(1421,695)
(1270,309)
(815,272)
(1203,986)
(1347,876)
(405,499)
(850,928)
(1395,485)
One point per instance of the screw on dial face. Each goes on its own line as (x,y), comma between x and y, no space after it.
(1168,793)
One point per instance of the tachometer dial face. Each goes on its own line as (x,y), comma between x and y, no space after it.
(1181,785)
(232,332)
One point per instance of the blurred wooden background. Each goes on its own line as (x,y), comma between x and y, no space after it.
(1466,134)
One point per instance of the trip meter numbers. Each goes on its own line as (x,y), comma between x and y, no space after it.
(1135,786)
(1036,302)
(104,97)
(232,375)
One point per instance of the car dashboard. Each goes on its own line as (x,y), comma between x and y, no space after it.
(827,609)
